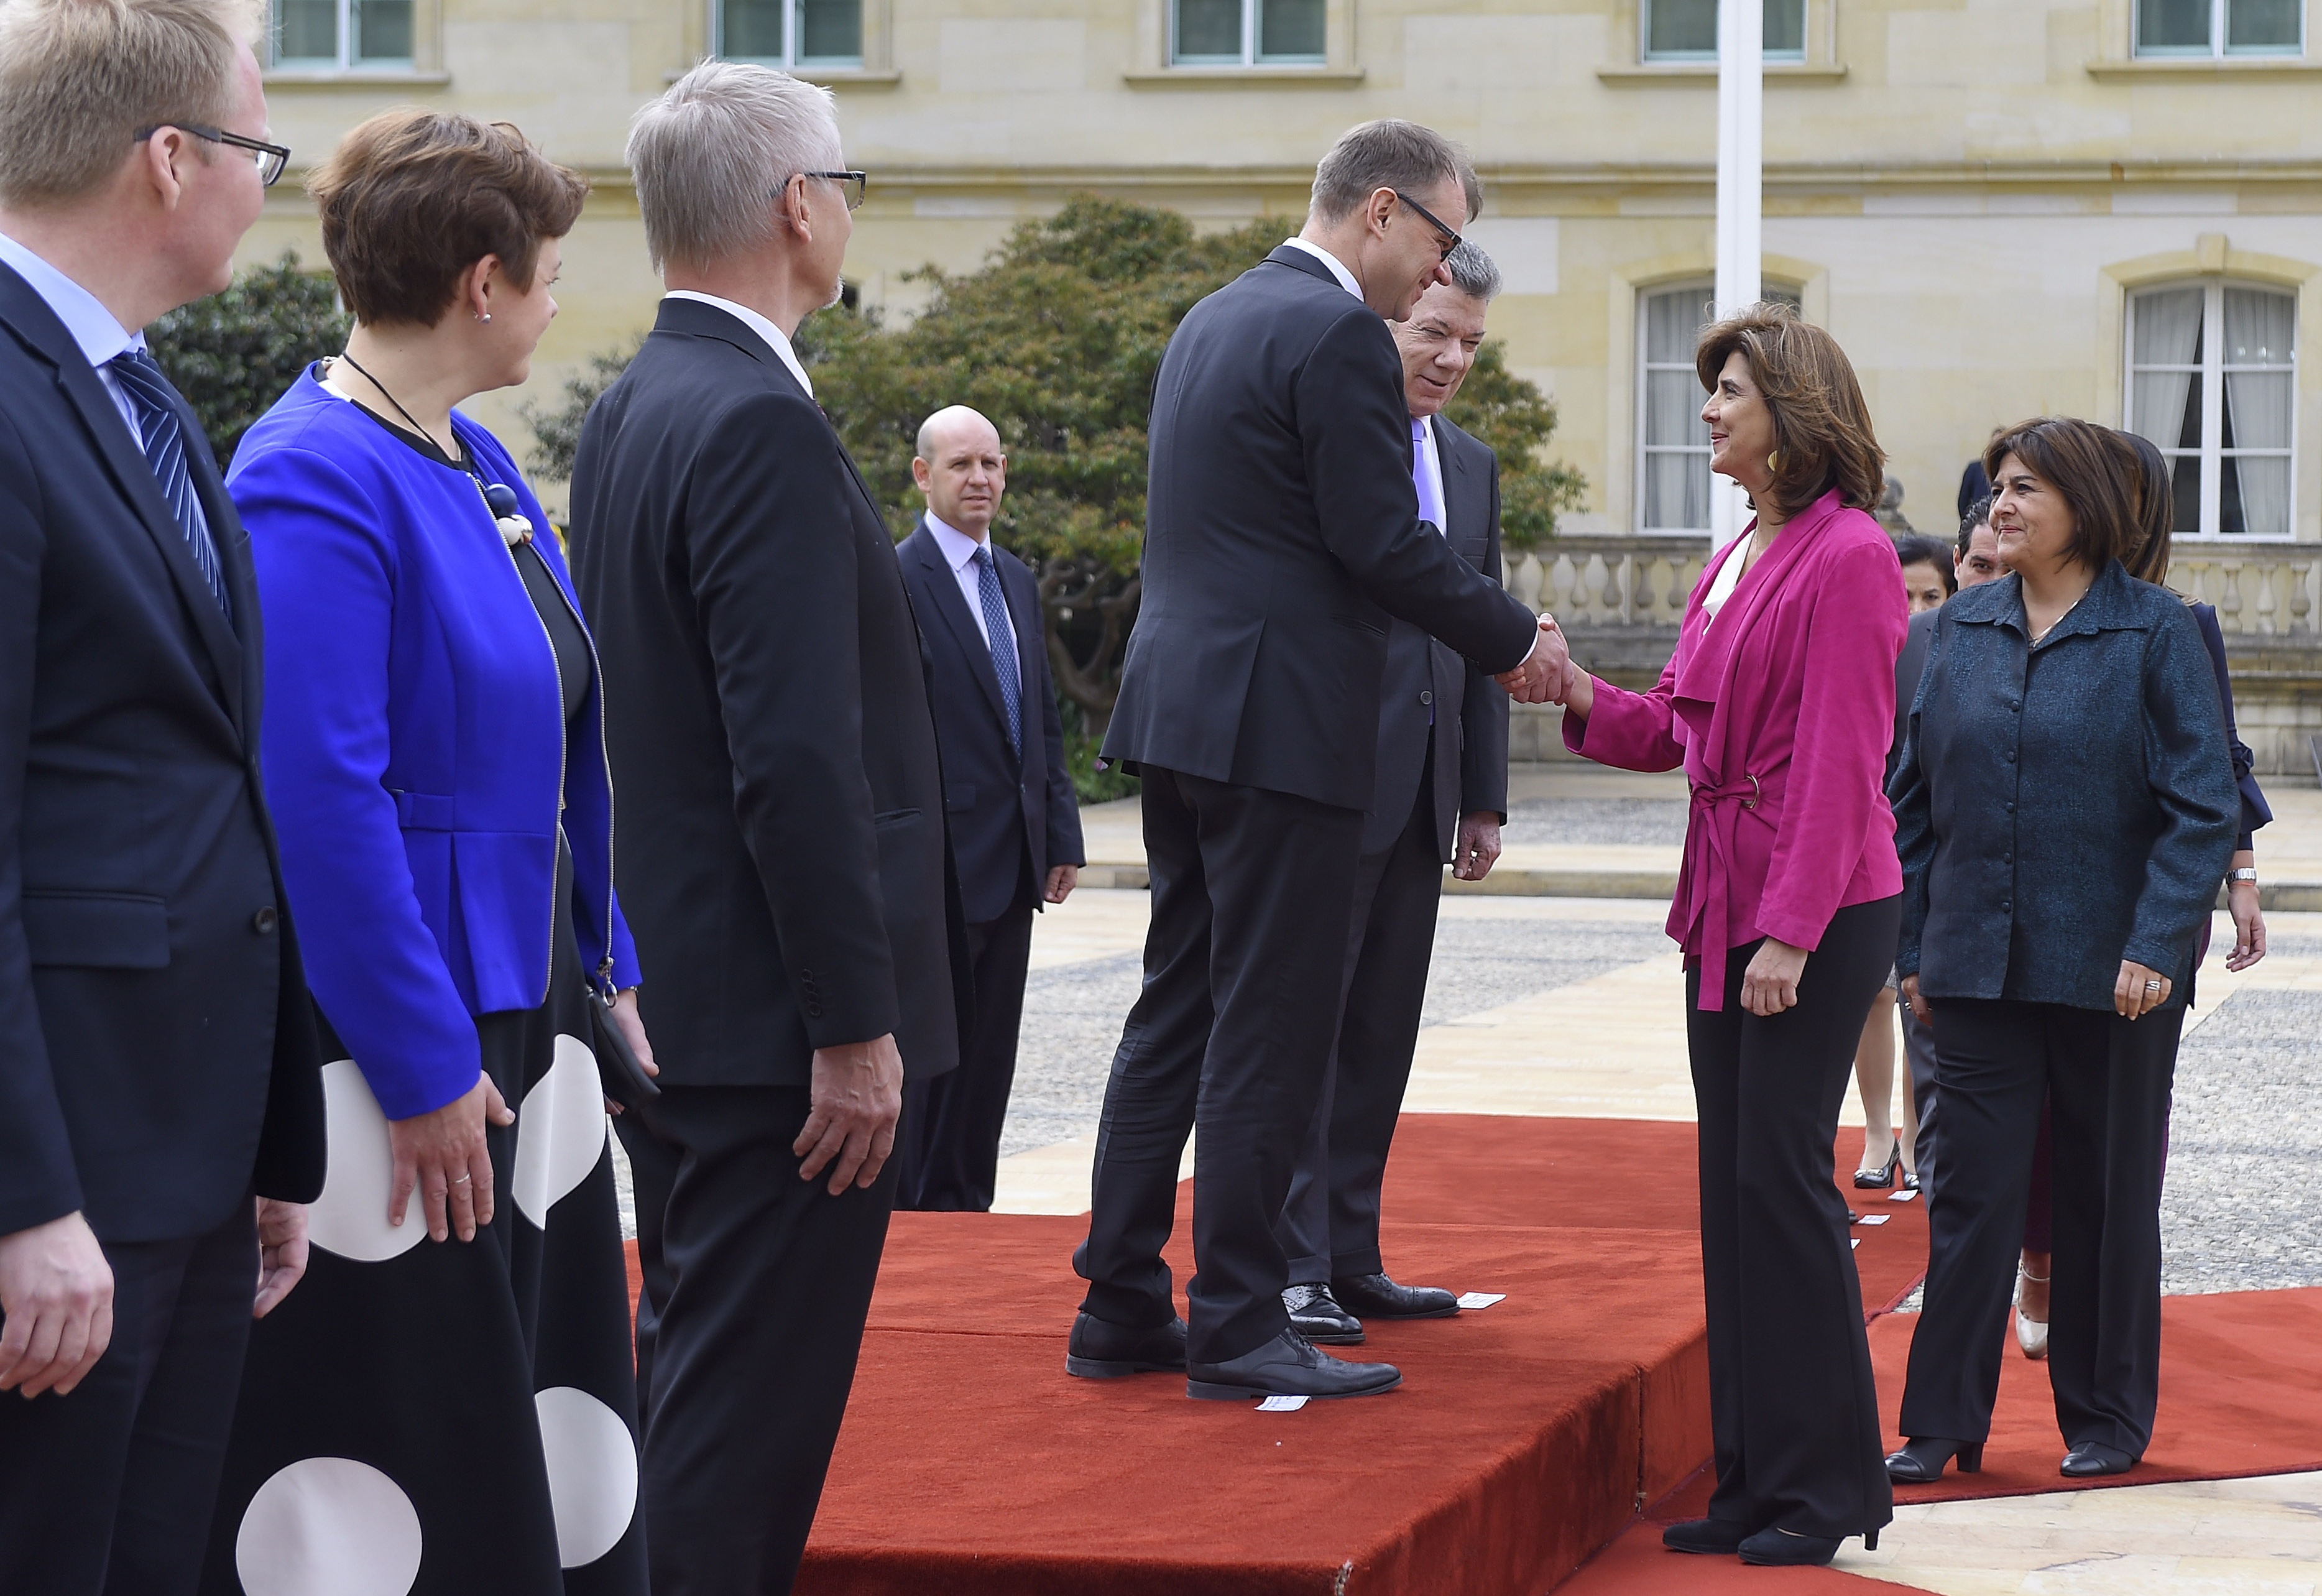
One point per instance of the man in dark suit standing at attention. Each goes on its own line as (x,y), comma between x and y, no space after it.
(1441,797)
(1007,798)
(782,848)
(158,1063)
(1282,533)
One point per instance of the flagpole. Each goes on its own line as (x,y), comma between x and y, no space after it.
(1740,203)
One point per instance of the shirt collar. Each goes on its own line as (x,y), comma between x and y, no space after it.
(1338,267)
(774,335)
(958,546)
(84,314)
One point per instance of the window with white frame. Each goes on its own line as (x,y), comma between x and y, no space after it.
(1673,442)
(342,35)
(791,32)
(1687,30)
(2220,27)
(1247,33)
(2213,381)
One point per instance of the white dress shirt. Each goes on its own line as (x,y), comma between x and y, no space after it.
(1722,586)
(1338,267)
(85,316)
(774,335)
(959,554)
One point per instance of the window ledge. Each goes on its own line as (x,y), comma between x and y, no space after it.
(2118,71)
(1704,73)
(1244,76)
(828,77)
(355,77)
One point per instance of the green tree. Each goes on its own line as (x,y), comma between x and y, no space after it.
(1517,420)
(236,352)
(556,429)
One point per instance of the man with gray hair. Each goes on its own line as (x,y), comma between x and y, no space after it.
(161,1063)
(783,864)
(1441,796)
(1282,533)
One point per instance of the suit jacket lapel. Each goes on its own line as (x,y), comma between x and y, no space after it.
(1463,493)
(951,604)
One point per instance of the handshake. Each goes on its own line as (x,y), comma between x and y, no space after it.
(1545,676)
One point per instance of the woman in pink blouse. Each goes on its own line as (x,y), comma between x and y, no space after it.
(1779,704)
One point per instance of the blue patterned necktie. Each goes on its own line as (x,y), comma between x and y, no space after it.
(163,438)
(1003,654)
(1430,510)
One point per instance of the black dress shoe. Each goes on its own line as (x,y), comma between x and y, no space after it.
(2092,1458)
(1716,1537)
(1378,1298)
(1101,1350)
(1921,1462)
(1779,1548)
(1287,1366)
(1315,1314)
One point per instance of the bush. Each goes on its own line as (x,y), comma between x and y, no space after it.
(557,431)
(234,354)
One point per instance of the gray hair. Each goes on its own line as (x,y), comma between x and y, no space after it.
(1389,153)
(708,156)
(1473,272)
(78,79)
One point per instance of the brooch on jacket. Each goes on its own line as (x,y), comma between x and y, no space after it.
(516,527)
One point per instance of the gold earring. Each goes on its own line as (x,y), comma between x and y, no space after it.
(1774,461)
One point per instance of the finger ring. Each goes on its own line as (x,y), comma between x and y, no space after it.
(462,1181)
(2152,986)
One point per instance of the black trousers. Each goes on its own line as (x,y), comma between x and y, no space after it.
(1244,962)
(1919,1050)
(110,1488)
(1793,1411)
(768,1281)
(950,1141)
(1331,1223)
(2107,1080)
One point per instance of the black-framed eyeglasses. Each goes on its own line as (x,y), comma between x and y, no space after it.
(852,185)
(272,158)
(1450,238)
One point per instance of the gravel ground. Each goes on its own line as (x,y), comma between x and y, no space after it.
(1596,823)
(2240,1211)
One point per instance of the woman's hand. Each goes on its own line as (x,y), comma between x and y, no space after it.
(442,1154)
(1919,1009)
(1771,984)
(2139,990)
(2249,922)
(1578,693)
(282,1251)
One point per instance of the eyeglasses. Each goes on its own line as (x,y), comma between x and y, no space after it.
(852,185)
(272,158)
(1450,238)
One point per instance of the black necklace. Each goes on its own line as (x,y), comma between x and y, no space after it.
(499,498)
(391,398)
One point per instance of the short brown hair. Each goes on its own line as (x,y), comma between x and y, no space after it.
(411,199)
(2080,460)
(2151,497)
(79,78)
(1389,153)
(1822,426)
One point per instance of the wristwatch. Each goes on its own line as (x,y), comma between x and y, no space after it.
(2246,873)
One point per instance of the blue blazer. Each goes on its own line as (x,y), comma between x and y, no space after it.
(415,743)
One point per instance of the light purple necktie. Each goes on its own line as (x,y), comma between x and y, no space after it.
(1429,508)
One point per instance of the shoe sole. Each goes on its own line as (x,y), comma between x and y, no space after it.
(1115,1368)
(1432,1313)
(1208,1391)
(1328,1337)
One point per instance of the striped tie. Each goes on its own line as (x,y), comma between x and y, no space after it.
(1003,651)
(163,436)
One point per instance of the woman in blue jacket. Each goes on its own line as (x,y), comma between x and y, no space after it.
(458,1377)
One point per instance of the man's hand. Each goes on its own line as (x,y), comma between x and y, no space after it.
(442,1154)
(55,1289)
(1771,984)
(1920,1011)
(282,1251)
(1541,678)
(1062,879)
(632,1027)
(856,1097)
(2137,990)
(1478,846)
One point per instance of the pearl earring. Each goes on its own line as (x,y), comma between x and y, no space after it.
(486,316)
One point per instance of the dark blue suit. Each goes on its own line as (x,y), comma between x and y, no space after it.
(159,1061)
(1012,817)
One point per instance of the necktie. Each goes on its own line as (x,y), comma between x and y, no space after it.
(1429,508)
(164,439)
(1003,651)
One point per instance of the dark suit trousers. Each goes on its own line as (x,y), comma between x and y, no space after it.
(1330,1223)
(110,1490)
(950,1142)
(769,1281)
(1793,1412)
(2108,1082)
(1919,1049)
(1252,891)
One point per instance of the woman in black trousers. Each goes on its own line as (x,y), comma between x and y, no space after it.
(2064,810)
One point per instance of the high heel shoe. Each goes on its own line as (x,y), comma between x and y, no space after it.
(1883,1177)
(1919,1461)
(2031,1334)
(1784,1548)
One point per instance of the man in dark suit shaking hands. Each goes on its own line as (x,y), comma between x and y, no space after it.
(782,848)
(1007,798)
(158,1055)
(1281,533)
